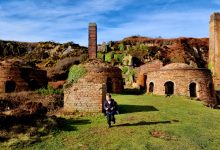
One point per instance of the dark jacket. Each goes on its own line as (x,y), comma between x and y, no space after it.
(112,107)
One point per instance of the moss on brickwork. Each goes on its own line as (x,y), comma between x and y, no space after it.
(75,73)
(211,67)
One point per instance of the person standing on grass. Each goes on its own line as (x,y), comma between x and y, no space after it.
(110,107)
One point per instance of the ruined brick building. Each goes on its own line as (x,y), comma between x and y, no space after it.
(88,93)
(17,76)
(182,79)
(173,79)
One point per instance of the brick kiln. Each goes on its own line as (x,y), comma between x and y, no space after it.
(17,76)
(88,93)
(144,69)
(181,79)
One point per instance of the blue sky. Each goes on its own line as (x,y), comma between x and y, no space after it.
(67,20)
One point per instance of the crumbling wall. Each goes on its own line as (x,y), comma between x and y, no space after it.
(25,78)
(84,97)
(144,69)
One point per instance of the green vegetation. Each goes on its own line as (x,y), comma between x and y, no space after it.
(109,56)
(124,69)
(146,122)
(49,90)
(75,73)
(119,57)
(121,47)
(129,73)
(100,56)
(210,66)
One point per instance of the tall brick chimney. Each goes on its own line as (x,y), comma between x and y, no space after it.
(214,48)
(92,40)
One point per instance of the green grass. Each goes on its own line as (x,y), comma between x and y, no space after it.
(49,90)
(184,124)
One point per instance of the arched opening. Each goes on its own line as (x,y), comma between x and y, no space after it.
(145,80)
(143,85)
(33,85)
(109,85)
(151,87)
(211,89)
(10,86)
(169,88)
(192,90)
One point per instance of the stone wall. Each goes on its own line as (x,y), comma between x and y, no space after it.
(92,40)
(182,79)
(84,97)
(214,48)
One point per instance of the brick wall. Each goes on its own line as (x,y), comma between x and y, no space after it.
(84,97)
(144,69)
(181,79)
(92,40)
(101,74)
(214,48)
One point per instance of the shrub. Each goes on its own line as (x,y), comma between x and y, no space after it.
(100,56)
(60,70)
(48,91)
(83,57)
(119,57)
(132,71)
(143,47)
(124,70)
(109,56)
(75,73)
(121,47)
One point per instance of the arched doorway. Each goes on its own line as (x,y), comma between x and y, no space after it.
(33,85)
(192,90)
(151,87)
(109,85)
(211,89)
(145,82)
(169,88)
(10,86)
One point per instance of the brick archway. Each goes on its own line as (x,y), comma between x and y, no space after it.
(192,89)
(211,89)
(151,87)
(10,86)
(169,88)
(33,84)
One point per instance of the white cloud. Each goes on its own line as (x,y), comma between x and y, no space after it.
(29,20)
(67,20)
(168,25)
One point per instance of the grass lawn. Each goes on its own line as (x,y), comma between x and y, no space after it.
(145,122)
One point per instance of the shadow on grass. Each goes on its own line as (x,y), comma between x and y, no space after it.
(3,139)
(133,92)
(141,123)
(69,124)
(135,108)
(36,126)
